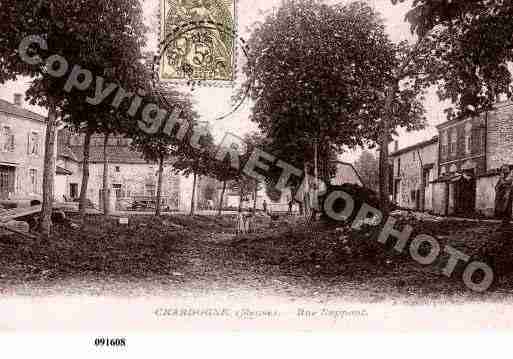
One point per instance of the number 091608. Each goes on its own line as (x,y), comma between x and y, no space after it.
(110,342)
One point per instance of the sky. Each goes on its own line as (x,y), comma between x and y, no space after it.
(212,103)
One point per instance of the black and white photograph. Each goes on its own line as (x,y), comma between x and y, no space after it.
(186,167)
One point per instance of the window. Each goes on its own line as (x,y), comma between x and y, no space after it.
(454,142)
(118,190)
(476,140)
(33,180)
(17,99)
(7,139)
(34,144)
(397,183)
(398,166)
(426,178)
(117,169)
(7,177)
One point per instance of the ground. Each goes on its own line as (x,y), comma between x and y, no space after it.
(180,254)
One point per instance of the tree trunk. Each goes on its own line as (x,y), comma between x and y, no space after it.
(193,199)
(49,171)
(241,196)
(316,175)
(85,175)
(383,154)
(222,199)
(158,211)
(306,193)
(255,198)
(106,189)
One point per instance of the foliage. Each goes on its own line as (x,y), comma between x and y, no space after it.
(194,158)
(104,37)
(367,166)
(336,92)
(466,50)
(162,144)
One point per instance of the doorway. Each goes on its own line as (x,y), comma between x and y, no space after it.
(465,196)
(6,181)
(73,190)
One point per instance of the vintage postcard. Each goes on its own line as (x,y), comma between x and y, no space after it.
(323,168)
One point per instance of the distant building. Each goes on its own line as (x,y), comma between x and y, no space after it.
(68,175)
(131,177)
(414,168)
(22,134)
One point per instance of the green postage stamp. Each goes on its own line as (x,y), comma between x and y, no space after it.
(197,40)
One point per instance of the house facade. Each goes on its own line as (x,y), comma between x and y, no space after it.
(414,168)
(131,178)
(471,151)
(22,134)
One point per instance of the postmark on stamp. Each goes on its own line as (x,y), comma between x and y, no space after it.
(197,41)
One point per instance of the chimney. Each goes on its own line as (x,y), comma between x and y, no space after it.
(396,146)
(18,100)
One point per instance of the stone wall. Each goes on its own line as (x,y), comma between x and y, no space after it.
(500,136)
(450,207)
(409,172)
(439,197)
(75,178)
(485,195)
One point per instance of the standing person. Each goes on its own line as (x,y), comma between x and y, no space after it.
(503,195)
(264,206)
(290,207)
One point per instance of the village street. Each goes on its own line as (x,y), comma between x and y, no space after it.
(204,265)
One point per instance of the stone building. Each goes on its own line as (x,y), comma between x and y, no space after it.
(22,134)
(131,177)
(470,153)
(414,169)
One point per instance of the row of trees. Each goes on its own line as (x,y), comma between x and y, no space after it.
(104,36)
(107,38)
(325,78)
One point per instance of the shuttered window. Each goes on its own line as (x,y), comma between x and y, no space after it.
(7,139)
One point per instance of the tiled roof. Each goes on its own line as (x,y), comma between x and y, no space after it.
(429,142)
(116,154)
(11,109)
